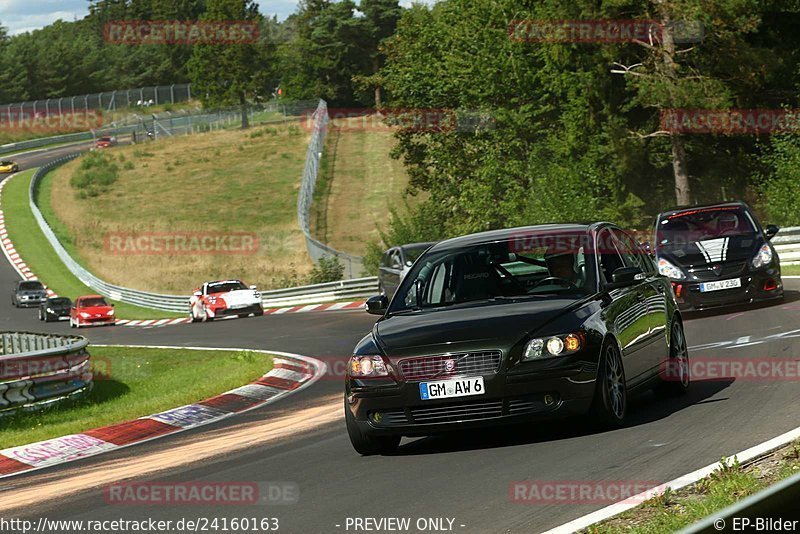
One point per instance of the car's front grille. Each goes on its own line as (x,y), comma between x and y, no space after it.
(471,411)
(459,411)
(445,365)
(726,270)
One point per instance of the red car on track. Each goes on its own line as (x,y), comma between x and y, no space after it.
(91,310)
(105,142)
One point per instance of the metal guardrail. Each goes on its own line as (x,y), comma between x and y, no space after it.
(778,502)
(316,249)
(787,245)
(329,292)
(37,370)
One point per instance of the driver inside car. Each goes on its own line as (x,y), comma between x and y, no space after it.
(561,264)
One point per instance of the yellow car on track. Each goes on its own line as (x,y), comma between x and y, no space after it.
(8,166)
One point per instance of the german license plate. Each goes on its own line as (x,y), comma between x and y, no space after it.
(457,387)
(721,284)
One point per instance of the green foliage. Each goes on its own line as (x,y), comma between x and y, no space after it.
(95,175)
(329,269)
(780,186)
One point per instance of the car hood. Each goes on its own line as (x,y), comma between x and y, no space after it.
(710,251)
(238,297)
(486,326)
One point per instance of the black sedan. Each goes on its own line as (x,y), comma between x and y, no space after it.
(717,255)
(55,309)
(515,325)
(28,293)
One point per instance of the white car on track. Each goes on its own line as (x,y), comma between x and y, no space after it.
(224,298)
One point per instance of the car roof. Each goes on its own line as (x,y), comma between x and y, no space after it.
(682,209)
(499,235)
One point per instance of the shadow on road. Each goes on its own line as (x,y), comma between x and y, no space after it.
(642,410)
(790,298)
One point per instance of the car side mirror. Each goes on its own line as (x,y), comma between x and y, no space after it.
(624,277)
(771,230)
(377,305)
(198,294)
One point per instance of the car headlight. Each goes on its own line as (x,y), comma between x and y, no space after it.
(367,366)
(49,310)
(667,269)
(547,347)
(764,256)
(85,315)
(110,312)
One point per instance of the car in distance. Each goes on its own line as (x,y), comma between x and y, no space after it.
(717,255)
(7,166)
(224,298)
(395,263)
(28,293)
(55,309)
(515,325)
(105,142)
(91,310)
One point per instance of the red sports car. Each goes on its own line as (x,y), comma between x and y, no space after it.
(91,310)
(105,142)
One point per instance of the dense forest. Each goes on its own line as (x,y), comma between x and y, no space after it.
(575,126)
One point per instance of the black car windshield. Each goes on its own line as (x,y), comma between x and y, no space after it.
(535,265)
(224,287)
(92,302)
(60,301)
(412,252)
(703,224)
(31,286)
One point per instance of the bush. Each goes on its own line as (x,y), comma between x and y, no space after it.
(95,175)
(329,269)
(779,190)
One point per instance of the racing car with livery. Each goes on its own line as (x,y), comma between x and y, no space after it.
(224,298)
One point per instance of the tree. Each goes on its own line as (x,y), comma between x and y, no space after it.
(379,23)
(224,74)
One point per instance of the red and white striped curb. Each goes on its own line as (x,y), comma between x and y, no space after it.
(290,373)
(357,305)
(24,271)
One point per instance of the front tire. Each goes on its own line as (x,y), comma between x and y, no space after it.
(675,377)
(364,443)
(610,404)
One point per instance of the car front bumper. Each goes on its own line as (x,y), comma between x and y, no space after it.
(253,308)
(509,398)
(30,302)
(756,287)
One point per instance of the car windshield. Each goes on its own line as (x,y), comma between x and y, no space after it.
(107,139)
(703,224)
(224,287)
(92,302)
(31,286)
(537,265)
(412,252)
(60,301)
(6,162)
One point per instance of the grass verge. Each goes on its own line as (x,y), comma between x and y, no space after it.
(220,183)
(35,250)
(790,270)
(731,482)
(358,183)
(138,382)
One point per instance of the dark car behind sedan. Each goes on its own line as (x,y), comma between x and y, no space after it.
(55,309)
(717,255)
(511,326)
(395,263)
(28,294)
